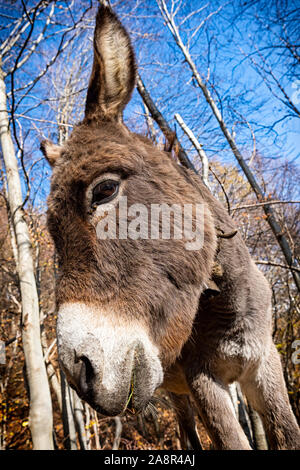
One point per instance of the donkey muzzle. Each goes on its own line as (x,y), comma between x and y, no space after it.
(111,363)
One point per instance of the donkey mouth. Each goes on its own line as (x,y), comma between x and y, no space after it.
(119,407)
(130,407)
(134,404)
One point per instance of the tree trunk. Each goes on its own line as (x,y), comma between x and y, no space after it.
(118,434)
(198,147)
(259,435)
(243,416)
(70,440)
(40,414)
(79,421)
(163,124)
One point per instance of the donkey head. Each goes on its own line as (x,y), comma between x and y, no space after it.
(126,300)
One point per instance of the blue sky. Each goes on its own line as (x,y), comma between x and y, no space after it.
(219,49)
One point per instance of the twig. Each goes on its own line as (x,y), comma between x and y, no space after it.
(284,266)
(259,204)
(46,356)
(223,189)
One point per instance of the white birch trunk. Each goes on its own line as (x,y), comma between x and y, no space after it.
(40,414)
(198,147)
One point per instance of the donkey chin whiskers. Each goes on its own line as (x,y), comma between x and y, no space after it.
(151,407)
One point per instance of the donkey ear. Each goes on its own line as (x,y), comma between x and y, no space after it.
(114,69)
(50,151)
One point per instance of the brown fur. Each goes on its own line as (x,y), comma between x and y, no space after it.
(177,274)
(205,341)
(114,71)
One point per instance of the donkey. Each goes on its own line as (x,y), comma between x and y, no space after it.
(138,313)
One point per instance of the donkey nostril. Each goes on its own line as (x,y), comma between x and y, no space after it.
(86,373)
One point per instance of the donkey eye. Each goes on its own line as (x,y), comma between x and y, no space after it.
(104,192)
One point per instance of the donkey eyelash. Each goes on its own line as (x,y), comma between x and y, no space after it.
(104,189)
(104,192)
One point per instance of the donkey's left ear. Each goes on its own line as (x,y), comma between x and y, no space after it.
(51,151)
(114,70)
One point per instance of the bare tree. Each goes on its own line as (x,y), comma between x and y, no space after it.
(23,39)
(40,400)
(169,17)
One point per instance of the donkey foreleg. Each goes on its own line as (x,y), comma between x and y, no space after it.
(217,413)
(189,438)
(265,389)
